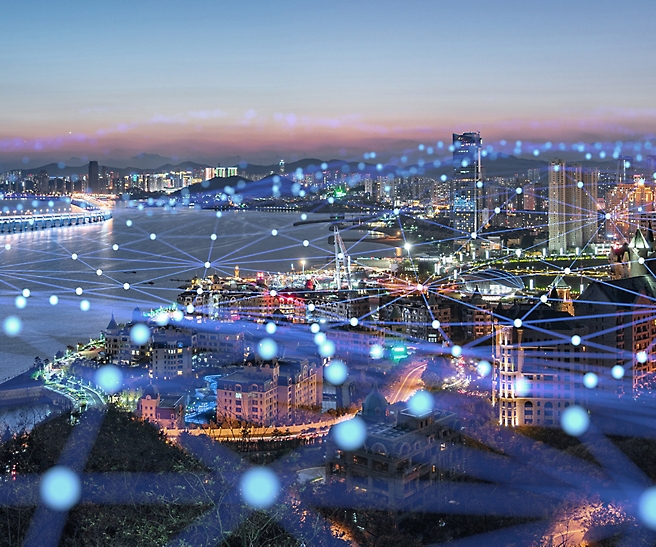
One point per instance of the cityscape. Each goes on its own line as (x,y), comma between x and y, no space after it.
(296,316)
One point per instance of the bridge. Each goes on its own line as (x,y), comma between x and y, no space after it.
(25,223)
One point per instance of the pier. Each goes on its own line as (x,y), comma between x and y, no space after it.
(25,223)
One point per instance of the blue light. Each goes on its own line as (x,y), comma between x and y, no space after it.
(259,487)
(109,378)
(376,351)
(60,488)
(267,349)
(336,372)
(575,421)
(327,349)
(351,434)
(421,403)
(618,372)
(484,368)
(270,327)
(12,325)
(456,351)
(140,334)
(590,380)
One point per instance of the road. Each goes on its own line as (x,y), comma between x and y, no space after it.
(410,382)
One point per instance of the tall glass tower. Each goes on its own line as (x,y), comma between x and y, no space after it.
(466,189)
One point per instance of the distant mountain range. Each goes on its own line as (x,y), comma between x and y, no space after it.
(502,165)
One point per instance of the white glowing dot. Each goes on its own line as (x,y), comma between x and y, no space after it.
(98,271)
(305,243)
(641,260)
(259,487)
(641,356)
(420,287)
(567,271)
(327,349)
(518,323)
(79,291)
(396,211)
(109,378)
(20,302)
(85,305)
(7,247)
(178,315)
(207,264)
(522,387)
(421,403)
(376,351)
(12,325)
(576,340)
(26,293)
(315,328)
(115,247)
(340,255)
(161,319)
(518,252)
(153,236)
(74,256)
(213,237)
(140,334)
(319,338)
(351,434)
(544,299)
(303,216)
(60,488)
(579,184)
(590,380)
(126,286)
(190,308)
(575,421)
(518,190)
(473,235)
(336,372)
(435,324)
(618,372)
(647,507)
(274,232)
(497,210)
(484,368)
(407,246)
(128,223)
(456,351)
(54,300)
(219,214)
(311,307)
(270,327)
(274,292)
(354,321)
(607,216)
(267,348)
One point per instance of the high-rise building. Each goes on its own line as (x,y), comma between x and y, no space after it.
(625,170)
(572,206)
(466,188)
(92,183)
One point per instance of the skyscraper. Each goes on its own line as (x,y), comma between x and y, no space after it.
(572,206)
(466,189)
(92,185)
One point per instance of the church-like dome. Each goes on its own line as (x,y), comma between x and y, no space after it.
(375,405)
(150,390)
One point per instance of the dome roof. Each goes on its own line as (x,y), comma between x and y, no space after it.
(375,405)
(150,390)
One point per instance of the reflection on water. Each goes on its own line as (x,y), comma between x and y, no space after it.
(23,418)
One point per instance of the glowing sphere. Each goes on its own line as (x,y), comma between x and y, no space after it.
(109,378)
(153,237)
(259,487)
(590,380)
(376,351)
(207,264)
(98,272)
(647,507)
(484,368)
(270,327)
(115,247)
(618,372)
(641,356)
(267,348)
(305,243)
(126,286)
(140,334)
(319,338)
(421,403)
(26,293)
(336,372)
(213,237)
(354,321)
(60,488)
(575,421)
(12,325)
(20,302)
(190,308)
(79,291)
(85,305)
(327,349)
(351,434)
(522,387)
(315,328)
(576,340)
(54,300)
(74,256)
(544,299)
(517,322)
(456,351)
(435,324)
(274,232)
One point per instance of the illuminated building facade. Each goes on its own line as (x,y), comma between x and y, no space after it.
(466,188)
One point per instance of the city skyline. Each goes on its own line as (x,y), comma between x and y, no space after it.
(267,82)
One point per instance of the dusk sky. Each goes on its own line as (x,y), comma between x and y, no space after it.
(212,79)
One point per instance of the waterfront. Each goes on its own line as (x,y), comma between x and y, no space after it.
(154,251)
